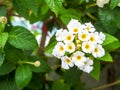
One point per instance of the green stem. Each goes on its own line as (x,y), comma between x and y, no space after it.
(91,5)
(91,16)
(25,62)
(107,85)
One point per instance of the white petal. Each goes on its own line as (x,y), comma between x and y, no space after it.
(74,24)
(71,64)
(101,3)
(88,69)
(64,66)
(100,52)
(87,47)
(83,35)
(70,47)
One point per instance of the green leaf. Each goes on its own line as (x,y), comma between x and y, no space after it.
(16,54)
(116,17)
(114,3)
(106,16)
(32,5)
(26,8)
(81,1)
(2,57)
(67,15)
(96,70)
(60,85)
(44,67)
(106,58)
(36,81)
(42,14)
(55,6)
(109,39)
(51,45)
(2,10)
(6,84)
(2,26)
(21,38)
(21,9)
(3,39)
(112,46)
(7,67)
(23,76)
(71,76)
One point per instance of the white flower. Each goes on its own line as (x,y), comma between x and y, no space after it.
(68,37)
(101,38)
(98,51)
(74,26)
(101,3)
(118,4)
(87,1)
(59,50)
(87,67)
(38,38)
(89,27)
(70,47)
(59,35)
(66,62)
(83,36)
(87,47)
(93,38)
(78,58)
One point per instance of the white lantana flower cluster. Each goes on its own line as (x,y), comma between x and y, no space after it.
(101,3)
(77,44)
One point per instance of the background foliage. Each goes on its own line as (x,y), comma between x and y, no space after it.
(19,48)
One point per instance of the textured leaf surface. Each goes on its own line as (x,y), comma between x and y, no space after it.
(21,38)
(23,76)
(96,71)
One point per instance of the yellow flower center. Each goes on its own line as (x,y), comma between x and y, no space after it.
(68,61)
(87,46)
(75,30)
(61,48)
(84,36)
(96,50)
(68,37)
(78,58)
(85,63)
(70,47)
(88,28)
(92,39)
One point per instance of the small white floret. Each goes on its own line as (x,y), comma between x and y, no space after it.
(88,27)
(59,50)
(83,36)
(78,58)
(87,47)
(74,26)
(98,51)
(88,66)
(70,47)
(66,62)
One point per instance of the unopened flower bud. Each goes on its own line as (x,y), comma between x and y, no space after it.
(37,63)
(78,41)
(30,12)
(3,20)
(78,46)
(118,4)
